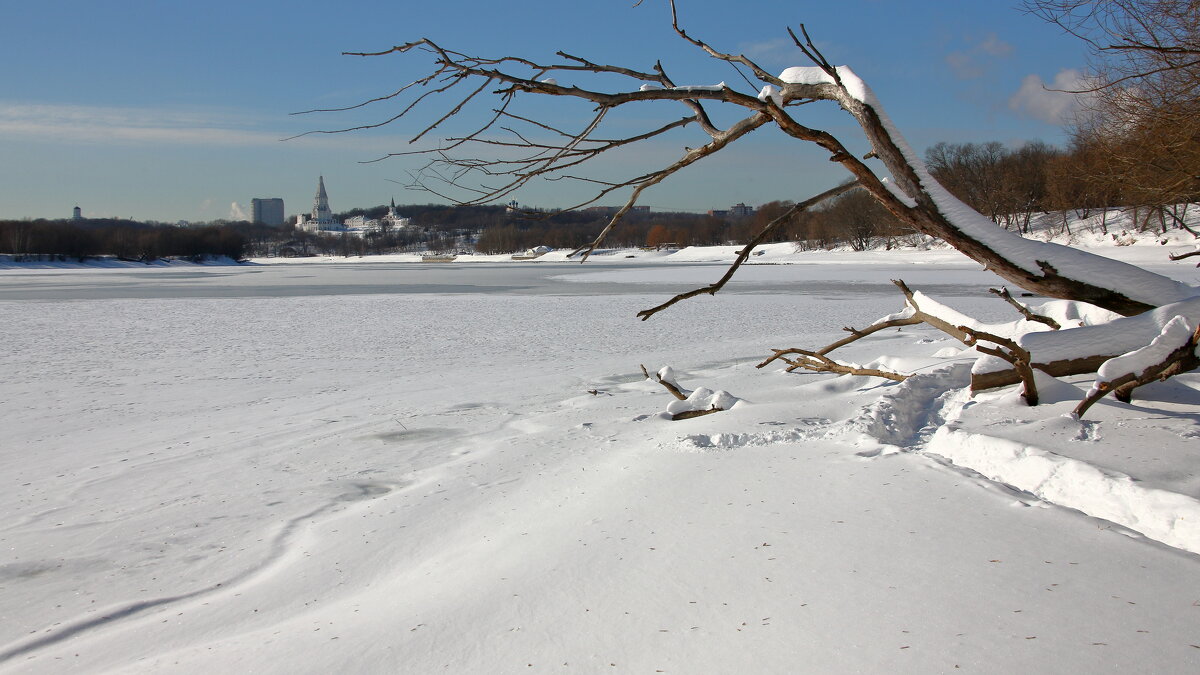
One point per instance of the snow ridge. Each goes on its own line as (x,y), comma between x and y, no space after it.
(1165,516)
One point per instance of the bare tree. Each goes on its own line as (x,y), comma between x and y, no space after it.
(971,171)
(1130,40)
(1142,109)
(909,193)
(525,149)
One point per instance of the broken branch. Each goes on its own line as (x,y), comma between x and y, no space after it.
(1181,359)
(1010,351)
(819,363)
(670,386)
(1004,295)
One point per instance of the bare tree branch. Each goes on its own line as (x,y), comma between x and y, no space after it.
(745,252)
(694,155)
(937,322)
(675,391)
(1004,295)
(1182,359)
(1010,351)
(817,362)
(739,59)
(689,414)
(908,197)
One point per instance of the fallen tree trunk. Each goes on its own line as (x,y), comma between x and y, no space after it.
(1076,351)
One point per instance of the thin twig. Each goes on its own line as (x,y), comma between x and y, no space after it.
(1003,294)
(712,289)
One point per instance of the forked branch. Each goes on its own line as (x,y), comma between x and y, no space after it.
(819,363)
(1010,351)
(666,383)
(911,194)
(1029,314)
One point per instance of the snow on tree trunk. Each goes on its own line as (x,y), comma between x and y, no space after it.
(1050,269)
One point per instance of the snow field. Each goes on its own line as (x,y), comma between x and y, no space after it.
(337,483)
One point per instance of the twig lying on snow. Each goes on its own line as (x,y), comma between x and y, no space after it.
(689,414)
(690,404)
(1181,256)
(668,382)
(819,363)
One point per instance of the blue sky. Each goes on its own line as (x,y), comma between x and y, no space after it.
(165,110)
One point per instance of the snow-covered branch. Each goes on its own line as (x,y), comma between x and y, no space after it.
(1082,349)
(1175,350)
(904,185)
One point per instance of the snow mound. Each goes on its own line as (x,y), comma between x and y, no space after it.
(703,398)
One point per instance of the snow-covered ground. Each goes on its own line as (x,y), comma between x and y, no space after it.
(383,466)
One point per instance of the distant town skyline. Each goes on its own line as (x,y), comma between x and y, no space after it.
(165,111)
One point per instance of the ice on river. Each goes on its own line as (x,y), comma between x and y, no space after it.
(397,468)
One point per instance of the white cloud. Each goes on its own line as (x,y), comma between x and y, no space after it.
(236,212)
(994,46)
(160,126)
(972,62)
(99,124)
(963,65)
(1053,103)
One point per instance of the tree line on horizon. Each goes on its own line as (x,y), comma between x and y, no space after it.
(1145,164)
(124,239)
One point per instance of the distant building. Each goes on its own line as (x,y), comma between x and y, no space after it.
(321,218)
(267,211)
(321,214)
(394,220)
(361,225)
(77,214)
(738,210)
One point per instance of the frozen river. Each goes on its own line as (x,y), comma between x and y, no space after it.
(405,467)
(371,278)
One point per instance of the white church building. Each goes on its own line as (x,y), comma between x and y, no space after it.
(321,221)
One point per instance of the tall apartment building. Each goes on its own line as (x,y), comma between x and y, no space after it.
(267,211)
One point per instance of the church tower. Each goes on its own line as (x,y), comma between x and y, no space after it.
(321,213)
